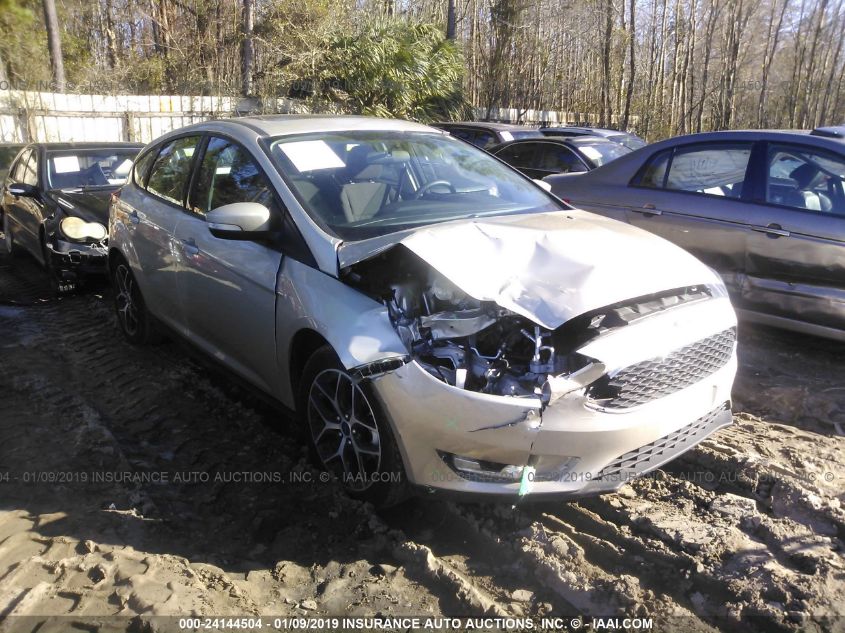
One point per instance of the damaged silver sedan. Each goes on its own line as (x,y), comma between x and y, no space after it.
(435,320)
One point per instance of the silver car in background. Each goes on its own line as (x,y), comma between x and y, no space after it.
(434,318)
(765,208)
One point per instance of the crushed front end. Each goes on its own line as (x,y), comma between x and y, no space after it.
(492,402)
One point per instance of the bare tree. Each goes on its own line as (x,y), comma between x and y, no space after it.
(54,44)
(248,47)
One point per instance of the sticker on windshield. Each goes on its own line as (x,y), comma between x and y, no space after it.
(506,136)
(312,155)
(65,164)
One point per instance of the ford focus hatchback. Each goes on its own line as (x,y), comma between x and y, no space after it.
(434,319)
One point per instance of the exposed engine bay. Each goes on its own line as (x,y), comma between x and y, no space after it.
(480,346)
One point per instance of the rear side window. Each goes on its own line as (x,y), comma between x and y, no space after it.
(229,174)
(519,154)
(172,169)
(715,169)
(558,159)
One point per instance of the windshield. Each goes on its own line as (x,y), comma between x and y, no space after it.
(365,184)
(599,152)
(628,140)
(70,169)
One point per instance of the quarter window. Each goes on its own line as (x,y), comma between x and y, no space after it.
(20,167)
(805,178)
(142,167)
(172,168)
(229,174)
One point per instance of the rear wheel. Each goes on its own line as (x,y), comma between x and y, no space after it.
(137,324)
(348,434)
(8,240)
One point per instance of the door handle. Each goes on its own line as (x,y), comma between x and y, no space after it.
(773,230)
(134,218)
(190,246)
(647,209)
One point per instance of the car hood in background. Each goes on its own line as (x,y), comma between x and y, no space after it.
(92,205)
(547,267)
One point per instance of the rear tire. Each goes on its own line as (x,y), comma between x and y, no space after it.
(348,433)
(8,240)
(137,324)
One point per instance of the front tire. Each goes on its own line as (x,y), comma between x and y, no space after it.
(348,433)
(137,324)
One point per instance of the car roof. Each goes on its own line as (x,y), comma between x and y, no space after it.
(86,145)
(594,131)
(489,125)
(555,140)
(285,124)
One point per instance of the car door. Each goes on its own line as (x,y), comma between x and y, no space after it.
(796,250)
(11,202)
(228,287)
(155,207)
(521,155)
(695,196)
(28,210)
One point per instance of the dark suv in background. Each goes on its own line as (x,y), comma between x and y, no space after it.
(485,134)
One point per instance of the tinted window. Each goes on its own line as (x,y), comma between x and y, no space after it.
(463,134)
(558,159)
(485,139)
(172,168)
(518,154)
(30,172)
(229,174)
(17,173)
(805,178)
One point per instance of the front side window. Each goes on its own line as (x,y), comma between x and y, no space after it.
(81,168)
(172,169)
(19,168)
(229,174)
(361,184)
(30,172)
(716,169)
(805,178)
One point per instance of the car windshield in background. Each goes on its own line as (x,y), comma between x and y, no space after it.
(599,152)
(628,140)
(365,184)
(89,167)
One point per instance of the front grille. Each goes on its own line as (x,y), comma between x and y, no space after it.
(658,377)
(666,448)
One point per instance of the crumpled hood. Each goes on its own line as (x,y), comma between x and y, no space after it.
(91,205)
(547,267)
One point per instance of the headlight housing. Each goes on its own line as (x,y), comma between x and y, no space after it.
(78,230)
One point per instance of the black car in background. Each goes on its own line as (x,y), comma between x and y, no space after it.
(631,141)
(538,158)
(55,203)
(485,134)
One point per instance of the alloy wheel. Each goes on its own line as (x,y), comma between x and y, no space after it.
(344,428)
(126,299)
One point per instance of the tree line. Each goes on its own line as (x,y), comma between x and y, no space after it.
(661,67)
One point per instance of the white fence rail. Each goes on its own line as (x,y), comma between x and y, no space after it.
(27,116)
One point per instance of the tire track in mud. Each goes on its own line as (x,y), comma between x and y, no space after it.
(732,535)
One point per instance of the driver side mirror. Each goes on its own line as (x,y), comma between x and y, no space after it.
(23,190)
(240,221)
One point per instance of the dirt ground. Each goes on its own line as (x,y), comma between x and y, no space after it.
(141,482)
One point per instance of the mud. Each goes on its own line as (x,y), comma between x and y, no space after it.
(146,482)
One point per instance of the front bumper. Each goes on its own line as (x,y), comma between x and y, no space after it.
(70,260)
(572,447)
